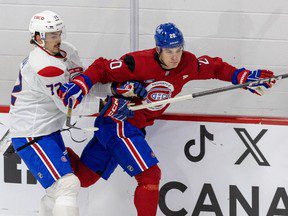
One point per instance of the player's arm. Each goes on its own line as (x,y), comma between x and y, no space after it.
(100,71)
(218,69)
(76,67)
(103,70)
(214,68)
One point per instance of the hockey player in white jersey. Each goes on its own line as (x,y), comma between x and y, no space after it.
(37,114)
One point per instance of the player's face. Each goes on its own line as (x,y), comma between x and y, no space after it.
(53,42)
(171,57)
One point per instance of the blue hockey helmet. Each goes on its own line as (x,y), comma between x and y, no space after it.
(167,35)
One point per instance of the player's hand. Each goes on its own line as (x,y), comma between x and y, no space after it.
(116,108)
(129,89)
(75,89)
(242,76)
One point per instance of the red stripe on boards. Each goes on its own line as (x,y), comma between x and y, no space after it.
(210,118)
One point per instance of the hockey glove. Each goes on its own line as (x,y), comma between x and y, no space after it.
(242,76)
(117,109)
(76,89)
(129,89)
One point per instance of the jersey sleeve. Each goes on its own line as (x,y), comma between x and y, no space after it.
(73,62)
(51,78)
(214,68)
(103,70)
(75,65)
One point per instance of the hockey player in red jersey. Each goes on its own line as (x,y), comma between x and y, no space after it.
(163,70)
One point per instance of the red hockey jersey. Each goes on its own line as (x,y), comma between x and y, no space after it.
(144,66)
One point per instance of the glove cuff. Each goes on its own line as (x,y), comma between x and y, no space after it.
(240,76)
(114,86)
(123,90)
(83,82)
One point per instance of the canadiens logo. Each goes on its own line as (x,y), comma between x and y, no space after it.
(63,159)
(40,175)
(158,91)
(159,94)
(130,168)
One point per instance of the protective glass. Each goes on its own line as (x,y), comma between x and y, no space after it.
(55,36)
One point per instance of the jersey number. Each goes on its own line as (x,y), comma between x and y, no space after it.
(115,64)
(16,89)
(203,61)
(52,86)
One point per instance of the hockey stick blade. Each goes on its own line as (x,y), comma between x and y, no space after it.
(68,120)
(207,92)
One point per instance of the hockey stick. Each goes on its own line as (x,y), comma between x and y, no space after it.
(208,92)
(5,135)
(7,148)
(68,119)
(5,142)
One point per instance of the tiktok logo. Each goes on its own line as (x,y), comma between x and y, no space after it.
(203,134)
(15,171)
(251,146)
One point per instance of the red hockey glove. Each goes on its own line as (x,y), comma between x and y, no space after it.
(242,76)
(129,89)
(77,88)
(116,108)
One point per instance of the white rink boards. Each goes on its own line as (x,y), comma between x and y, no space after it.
(207,169)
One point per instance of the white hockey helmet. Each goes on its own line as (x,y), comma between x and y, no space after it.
(45,21)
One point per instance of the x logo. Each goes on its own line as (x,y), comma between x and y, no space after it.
(251,146)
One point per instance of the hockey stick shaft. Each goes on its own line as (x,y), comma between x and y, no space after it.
(69,116)
(4,142)
(207,92)
(5,135)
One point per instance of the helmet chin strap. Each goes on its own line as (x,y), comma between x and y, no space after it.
(42,44)
(160,60)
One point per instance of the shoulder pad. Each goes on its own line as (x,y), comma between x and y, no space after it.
(50,71)
(68,47)
(130,62)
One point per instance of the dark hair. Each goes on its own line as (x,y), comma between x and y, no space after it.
(33,40)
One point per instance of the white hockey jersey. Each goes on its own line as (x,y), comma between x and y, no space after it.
(35,108)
